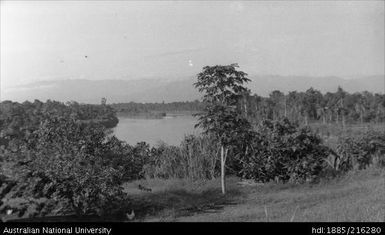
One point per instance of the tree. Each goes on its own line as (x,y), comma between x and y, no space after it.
(293,100)
(339,105)
(360,108)
(279,103)
(104,101)
(222,116)
(311,99)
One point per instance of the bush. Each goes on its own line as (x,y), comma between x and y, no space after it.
(360,151)
(130,159)
(62,168)
(282,151)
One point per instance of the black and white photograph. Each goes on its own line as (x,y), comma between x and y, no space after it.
(192,111)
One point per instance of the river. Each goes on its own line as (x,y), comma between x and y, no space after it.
(170,129)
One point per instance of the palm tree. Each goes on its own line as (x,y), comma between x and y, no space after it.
(360,108)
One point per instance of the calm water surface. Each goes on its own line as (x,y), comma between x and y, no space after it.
(170,130)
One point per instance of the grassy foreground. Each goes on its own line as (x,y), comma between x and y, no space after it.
(358,196)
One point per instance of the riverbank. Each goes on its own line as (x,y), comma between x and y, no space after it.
(154,115)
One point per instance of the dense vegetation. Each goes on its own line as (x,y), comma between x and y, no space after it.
(155,110)
(338,107)
(360,151)
(63,165)
(18,119)
(282,151)
(62,158)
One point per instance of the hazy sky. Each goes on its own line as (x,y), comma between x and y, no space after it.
(124,39)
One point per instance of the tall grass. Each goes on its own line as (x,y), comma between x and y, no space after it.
(195,158)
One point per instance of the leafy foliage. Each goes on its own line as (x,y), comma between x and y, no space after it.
(360,151)
(62,166)
(223,89)
(282,151)
(19,120)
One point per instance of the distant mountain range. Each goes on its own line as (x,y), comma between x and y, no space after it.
(169,90)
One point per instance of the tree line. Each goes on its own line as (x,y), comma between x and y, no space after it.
(20,119)
(133,108)
(339,107)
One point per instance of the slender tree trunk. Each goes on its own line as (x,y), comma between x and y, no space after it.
(256,112)
(337,118)
(306,120)
(377,116)
(223,182)
(245,107)
(213,164)
(361,117)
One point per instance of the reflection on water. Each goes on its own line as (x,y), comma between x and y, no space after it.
(170,130)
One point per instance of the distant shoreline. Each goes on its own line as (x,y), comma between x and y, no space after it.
(154,115)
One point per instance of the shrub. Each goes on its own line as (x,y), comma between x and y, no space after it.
(360,151)
(282,151)
(130,159)
(64,168)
